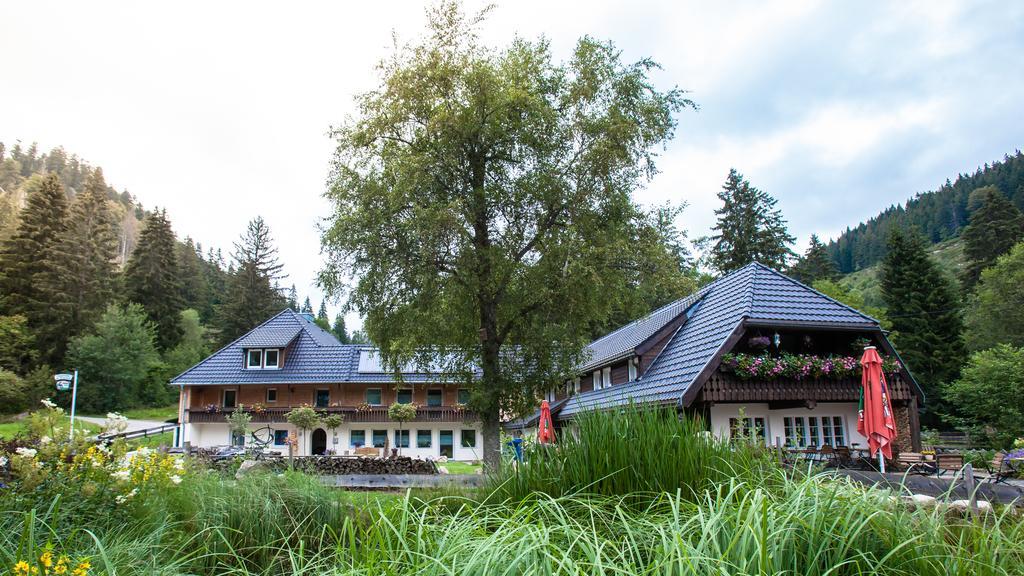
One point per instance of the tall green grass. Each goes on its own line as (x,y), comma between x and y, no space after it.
(634,452)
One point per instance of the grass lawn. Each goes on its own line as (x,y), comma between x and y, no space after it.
(159,413)
(14,427)
(461,467)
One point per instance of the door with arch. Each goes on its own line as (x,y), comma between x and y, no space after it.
(318,443)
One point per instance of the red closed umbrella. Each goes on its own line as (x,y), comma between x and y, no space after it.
(874,420)
(545,430)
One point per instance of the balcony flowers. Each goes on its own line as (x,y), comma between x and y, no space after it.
(797,366)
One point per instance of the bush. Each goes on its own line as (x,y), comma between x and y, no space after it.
(636,453)
(13,393)
(989,396)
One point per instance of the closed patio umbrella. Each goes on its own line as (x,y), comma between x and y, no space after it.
(545,430)
(874,419)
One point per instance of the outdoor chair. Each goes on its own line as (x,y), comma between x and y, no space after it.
(828,456)
(1002,468)
(843,457)
(948,463)
(915,463)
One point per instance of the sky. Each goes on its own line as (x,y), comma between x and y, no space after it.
(220,111)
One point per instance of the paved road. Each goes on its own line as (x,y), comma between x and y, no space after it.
(132,424)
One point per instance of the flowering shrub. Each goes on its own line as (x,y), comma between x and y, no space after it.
(115,423)
(50,563)
(798,366)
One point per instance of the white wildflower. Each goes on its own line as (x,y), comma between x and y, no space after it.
(26,452)
(45,440)
(3,461)
(126,497)
(176,479)
(46,402)
(143,452)
(122,474)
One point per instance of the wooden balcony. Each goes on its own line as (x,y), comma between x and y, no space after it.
(350,413)
(727,387)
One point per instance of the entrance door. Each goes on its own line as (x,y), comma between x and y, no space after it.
(447,445)
(319,442)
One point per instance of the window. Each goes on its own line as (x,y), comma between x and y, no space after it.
(576,385)
(434,397)
(751,427)
(255,359)
(238,438)
(401,438)
(606,377)
(446,443)
(270,358)
(229,398)
(405,396)
(632,370)
(271,394)
(813,431)
(373,396)
(463,396)
(597,379)
(280,437)
(380,438)
(424,438)
(357,438)
(469,438)
(323,398)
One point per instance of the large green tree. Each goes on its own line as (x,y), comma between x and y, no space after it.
(996,225)
(923,307)
(84,283)
(995,315)
(152,279)
(29,257)
(749,229)
(118,362)
(251,297)
(482,199)
(816,264)
(989,396)
(17,345)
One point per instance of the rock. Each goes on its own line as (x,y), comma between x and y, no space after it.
(921,501)
(250,466)
(965,506)
(442,470)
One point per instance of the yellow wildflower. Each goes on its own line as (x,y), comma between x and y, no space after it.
(46,559)
(21,568)
(82,569)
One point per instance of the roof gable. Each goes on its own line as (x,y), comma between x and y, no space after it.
(753,293)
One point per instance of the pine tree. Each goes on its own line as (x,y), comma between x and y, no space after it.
(339,329)
(322,312)
(816,264)
(996,226)
(152,278)
(28,262)
(307,307)
(251,297)
(293,298)
(750,228)
(84,282)
(194,292)
(923,308)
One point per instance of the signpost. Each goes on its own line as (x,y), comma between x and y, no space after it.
(65,381)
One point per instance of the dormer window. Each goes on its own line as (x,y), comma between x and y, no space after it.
(270,358)
(263,359)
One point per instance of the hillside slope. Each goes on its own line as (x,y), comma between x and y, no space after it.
(949,255)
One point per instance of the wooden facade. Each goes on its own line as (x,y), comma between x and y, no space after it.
(727,387)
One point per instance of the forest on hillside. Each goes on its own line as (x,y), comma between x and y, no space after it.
(91,280)
(938,215)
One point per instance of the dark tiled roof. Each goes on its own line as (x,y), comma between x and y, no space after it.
(627,338)
(754,292)
(314,356)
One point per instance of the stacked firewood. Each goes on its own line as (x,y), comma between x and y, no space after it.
(334,465)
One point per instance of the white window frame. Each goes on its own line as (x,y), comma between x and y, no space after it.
(223,398)
(606,377)
(277,359)
(814,436)
(379,391)
(409,390)
(317,392)
(597,379)
(248,359)
(576,385)
(267,397)
(632,370)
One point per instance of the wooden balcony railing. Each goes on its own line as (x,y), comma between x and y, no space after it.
(350,413)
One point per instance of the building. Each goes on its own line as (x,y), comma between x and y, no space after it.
(288,362)
(701,355)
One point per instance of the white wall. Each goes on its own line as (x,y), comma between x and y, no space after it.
(218,434)
(721,413)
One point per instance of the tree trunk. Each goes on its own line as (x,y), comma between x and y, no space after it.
(492,444)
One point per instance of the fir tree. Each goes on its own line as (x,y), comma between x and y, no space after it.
(251,296)
(339,329)
(322,312)
(750,228)
(84,283)
(194,293)
(307,307)
(816,264)
(293,298)
(922,306)
(152,278)
(996,226)
(29,261)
